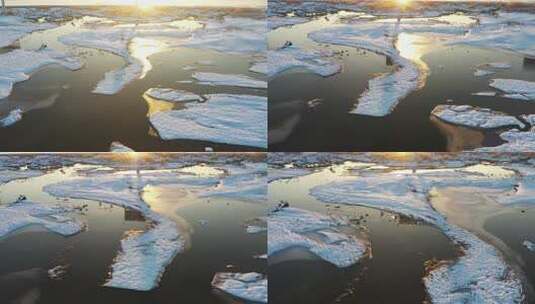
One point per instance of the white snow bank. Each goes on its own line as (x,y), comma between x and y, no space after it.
(23,214)
(480,275)
(250,286)
(172,95)
(291,57)
(119,147)
(17,66)
(291,227)
(11,118)
(474,117)
(529,245)
(12,28)
(216,79)
(223,118)
(518,89)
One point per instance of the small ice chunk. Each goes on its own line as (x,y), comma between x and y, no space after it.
(118,147)
(172,95)
(486,93)
(250,286)
(114,81)
(292,227)
(25,213)
(255,229)
(223,118)
(11,118)
(529,245)
(482,73)
(188,68)
(57,273)
(216,79)
(474,117)
(513,87)
(499,65)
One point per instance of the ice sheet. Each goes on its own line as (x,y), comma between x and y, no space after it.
(217,79)
(519,89)
(292,227)
(474,117)
(250,286)
(223,118)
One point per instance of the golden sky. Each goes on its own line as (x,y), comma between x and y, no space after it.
(241,3)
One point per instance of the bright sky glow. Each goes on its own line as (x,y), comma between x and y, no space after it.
(143,3)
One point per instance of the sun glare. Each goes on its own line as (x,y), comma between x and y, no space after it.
(404,2)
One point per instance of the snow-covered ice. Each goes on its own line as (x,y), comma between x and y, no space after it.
(516,141)
(517,89)
(499,65)
(482,73)
(11,118)
(250,286)
(274,22)
(25,213)
(18,65)
(172,95)
(292,227)
(474,117)
(12,28)
(217,79)
(120,148)
(529,245)
(7,176)
(291,57)
(223,118)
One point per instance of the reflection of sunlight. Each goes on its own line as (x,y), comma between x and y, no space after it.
(404,2)
(203,170)
(156,106)
(413,47)
(186,24)
(142,49)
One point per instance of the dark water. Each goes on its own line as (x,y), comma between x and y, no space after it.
(218,246)
(400,248)
(329,126)
(79,120)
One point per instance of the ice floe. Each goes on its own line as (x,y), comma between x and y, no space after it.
(516,141)
(482,73)
(474,117)
(250,286)
(291,57)
(18,65)
(486,93)
(11,175)
(120,148)
(172,95)
(499,65)
(217,79)
(529,245)
(292,227)
(12,28)
(275,22)
(480,274)
(11,118)
(516,89)
(223,118)
(24,213)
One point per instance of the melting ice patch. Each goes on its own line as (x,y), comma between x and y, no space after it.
(291,227)
(17,66)
(474,117)
(480,275)
(250,286)
(291,57)
(24,213)
(216,79)
(11,118)
(223,118)
(172,95)
(515,89)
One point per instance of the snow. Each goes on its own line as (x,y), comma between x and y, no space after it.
(18,65)
(172,95)
(23,214)
(286,58)
(529,245)
(118,147)
(11,118)
(474,117)
(223,118)
(480,275)
(216,79)
(515,88)
(250,286)
(292,227)
(482,73)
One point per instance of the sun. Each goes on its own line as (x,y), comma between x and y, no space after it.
(404,2)
(144,4)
